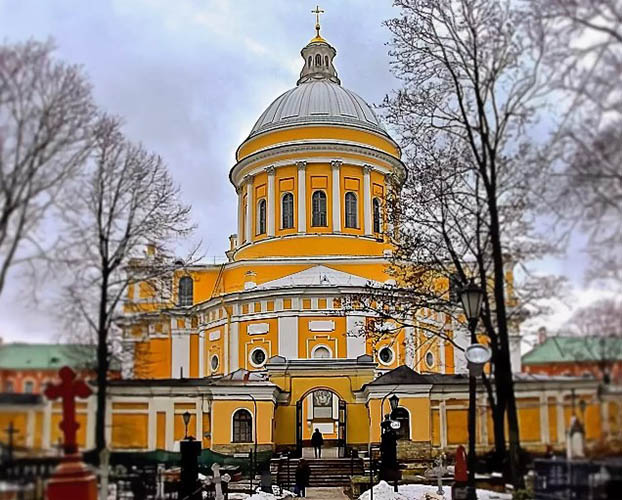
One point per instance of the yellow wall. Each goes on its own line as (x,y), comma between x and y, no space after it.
(223,410)
(129,430)
(310,133)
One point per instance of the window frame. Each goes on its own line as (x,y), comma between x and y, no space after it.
(180,295)
(376,216)
(288,195)
(429,364)
(262,211)
(400,432)
(388,348)
(248,432)
(321,195)
(347,210)
(321,346)
(211,362)
(26,383)
(250,357)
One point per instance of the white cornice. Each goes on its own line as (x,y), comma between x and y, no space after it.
(333,148)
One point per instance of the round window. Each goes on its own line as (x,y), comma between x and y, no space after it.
(385,355)
(214,362)
(429,359)
(258,357)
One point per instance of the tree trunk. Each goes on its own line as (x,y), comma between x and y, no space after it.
(102,368)
(503,368)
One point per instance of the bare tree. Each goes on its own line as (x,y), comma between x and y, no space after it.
(472,85)
(587,35)
(124,201)
(46,112)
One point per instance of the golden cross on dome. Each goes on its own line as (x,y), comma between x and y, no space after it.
(317,13)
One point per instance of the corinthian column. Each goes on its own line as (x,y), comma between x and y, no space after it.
(367,211)
(302,196)
(271,211)
(336,165)
(249,207)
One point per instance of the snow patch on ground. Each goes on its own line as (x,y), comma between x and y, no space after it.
(384,491)
(260,495)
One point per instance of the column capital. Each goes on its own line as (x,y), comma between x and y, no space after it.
(270,170)
(367,168)
(301,165)
(336,163)
(248,179)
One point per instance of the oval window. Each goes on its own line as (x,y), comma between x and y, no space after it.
(214,362)
(258,357)
(429,359)
(385,355)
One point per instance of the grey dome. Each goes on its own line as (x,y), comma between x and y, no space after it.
(318,102)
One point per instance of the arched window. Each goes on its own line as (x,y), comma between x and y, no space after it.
(8,386)
(287,211)
(261,217)
(376,209)
(29,387)
(401,415)
(185,291)
(318,60)
(326,61)
(310,61)
(318,202)
(242,427)
(351,210)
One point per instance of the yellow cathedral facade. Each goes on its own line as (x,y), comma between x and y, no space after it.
(261,350)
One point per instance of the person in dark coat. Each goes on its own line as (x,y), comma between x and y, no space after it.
(317,441)
(303,472)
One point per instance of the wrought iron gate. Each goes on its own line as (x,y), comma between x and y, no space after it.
(299,428)
(341,431)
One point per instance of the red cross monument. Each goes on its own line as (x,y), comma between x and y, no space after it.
(72,478)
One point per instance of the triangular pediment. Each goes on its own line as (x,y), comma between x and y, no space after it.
(319,276)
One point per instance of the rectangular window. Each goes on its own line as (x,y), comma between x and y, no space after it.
(306,303)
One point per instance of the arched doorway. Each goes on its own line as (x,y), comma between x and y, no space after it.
(323,409)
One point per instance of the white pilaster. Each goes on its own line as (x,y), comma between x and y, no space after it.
(249,207)
(409,334)
(441,350)
(169,433)
(91,415)
(271,210)
(336,167)
(201,354)
(152,423)
(367,211)
(225,354)
(443,423)
(47,426)
(30,429)
(302,196)
(241,215)
(234,346)
(544,419)
(561,425)
(355,336)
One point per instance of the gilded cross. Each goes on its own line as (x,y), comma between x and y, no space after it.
(317,13)
(68,389)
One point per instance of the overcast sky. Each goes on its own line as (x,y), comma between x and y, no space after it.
(189,79)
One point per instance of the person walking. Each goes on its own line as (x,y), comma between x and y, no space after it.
(303,473)
(317,441)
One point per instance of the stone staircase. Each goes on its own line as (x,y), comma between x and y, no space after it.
(324,471)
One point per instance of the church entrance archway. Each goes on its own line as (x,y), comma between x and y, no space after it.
(321,408)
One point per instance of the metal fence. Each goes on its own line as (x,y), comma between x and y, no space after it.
(559,479)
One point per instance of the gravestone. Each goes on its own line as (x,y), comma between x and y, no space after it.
(71,478)
(575,439)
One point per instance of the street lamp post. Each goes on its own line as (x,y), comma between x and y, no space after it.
(186,417)
(471,297)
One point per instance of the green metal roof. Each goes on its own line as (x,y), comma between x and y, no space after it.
(22,356)
(564,349)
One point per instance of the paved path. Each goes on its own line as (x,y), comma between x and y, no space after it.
(325,494)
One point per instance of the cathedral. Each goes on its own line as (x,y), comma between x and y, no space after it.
(260,351)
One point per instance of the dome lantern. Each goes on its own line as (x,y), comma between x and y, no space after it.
(318,57)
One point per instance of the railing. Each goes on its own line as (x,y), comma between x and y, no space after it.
(560,479)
